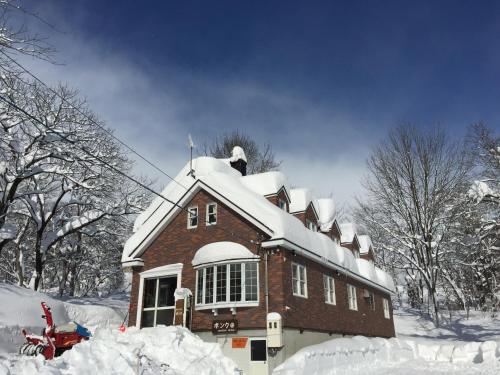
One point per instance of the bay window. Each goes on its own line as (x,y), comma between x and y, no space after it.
(227,285)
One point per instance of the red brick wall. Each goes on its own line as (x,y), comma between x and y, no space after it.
(177,244)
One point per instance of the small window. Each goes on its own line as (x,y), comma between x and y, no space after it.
(211,213)
(282,204)
(311,225)
(371,300)
(329,286)
(192,219)
(387,313)
(351,296)
(299,280)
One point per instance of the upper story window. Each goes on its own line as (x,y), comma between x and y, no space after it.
(299,280)
(227,285)
(282,204)
(371,300)
(387,313)
(192,217)
(211,214)
(329,285)
(356,253)
(311,225)
(351,297)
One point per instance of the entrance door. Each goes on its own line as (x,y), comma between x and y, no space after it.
(258,357)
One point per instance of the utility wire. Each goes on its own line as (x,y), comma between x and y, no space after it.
(113,168)
(89,118)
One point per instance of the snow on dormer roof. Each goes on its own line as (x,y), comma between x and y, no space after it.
(365,243)
(326,213)
(348,232)
(300,199)
(228,186)
(267,183)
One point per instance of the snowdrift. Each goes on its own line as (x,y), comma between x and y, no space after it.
(348,355)
(160,350)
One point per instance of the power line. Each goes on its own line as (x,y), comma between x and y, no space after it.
(113,168)
(90,119)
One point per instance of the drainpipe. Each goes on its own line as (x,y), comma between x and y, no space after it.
(266,288)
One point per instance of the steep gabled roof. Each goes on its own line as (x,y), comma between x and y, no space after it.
(227,185)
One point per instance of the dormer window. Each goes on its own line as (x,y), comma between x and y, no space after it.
(192,217)
(311,225)
(282,205)
(211,214)
(356,253)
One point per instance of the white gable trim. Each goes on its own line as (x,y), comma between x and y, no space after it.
(195,188)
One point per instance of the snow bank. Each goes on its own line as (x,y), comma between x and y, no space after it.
(160,350)
(344,355)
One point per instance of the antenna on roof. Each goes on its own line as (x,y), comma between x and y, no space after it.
(191,145)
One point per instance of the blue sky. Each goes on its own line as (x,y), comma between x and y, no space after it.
(322,82)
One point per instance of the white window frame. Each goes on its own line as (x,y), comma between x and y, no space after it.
(371,299)
(329,286)
(387,312)
(169,270)
(352,297)
(297,280)
(189,217)
(227,303)
(207,222)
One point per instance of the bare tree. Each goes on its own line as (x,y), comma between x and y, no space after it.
(415,179)
(259,159)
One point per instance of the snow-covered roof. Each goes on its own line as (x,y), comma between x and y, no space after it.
(365,242)
(348,232)
(267,183)
(223,251)
(300,199)
(227,185)
(326,212)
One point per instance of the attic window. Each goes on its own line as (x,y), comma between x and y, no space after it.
(311,225)
(211,214)
(282,205)
(192,219)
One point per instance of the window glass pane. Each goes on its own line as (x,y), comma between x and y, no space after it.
(199,295)
(193,216)
(166,289)
(258,350)
(147,319)
(235,282)
(209,285)
(149,292)
(221,283)
(165,317)
(251,281)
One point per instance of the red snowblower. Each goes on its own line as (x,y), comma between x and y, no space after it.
(54,340)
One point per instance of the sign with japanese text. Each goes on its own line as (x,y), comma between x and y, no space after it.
(225,326)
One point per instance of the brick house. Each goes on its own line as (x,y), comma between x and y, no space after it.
(269,268)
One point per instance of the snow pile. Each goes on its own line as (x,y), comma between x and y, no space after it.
(160,350)
(326,212)
(357,354)
(348,231)
(479,190)
(365,243)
